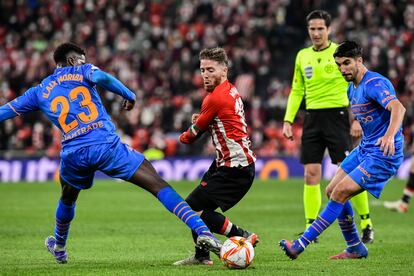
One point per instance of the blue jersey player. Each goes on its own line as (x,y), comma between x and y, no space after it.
(370,165)
(70,100)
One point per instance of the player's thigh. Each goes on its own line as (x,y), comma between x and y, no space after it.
(147,178)
(199,200)
(375,170)
(313,146)
(337,134)
(228,185)
(75,169)
(119,161)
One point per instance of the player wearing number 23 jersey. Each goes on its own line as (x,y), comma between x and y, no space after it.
(70,100)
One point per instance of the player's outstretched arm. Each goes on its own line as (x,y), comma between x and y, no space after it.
(112,84)
(386,142)
(192,134)
(7,112)
(201,121)
(21,105)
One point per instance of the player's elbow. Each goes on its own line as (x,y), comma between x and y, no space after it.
(400,108)
(403,109)
(396,106)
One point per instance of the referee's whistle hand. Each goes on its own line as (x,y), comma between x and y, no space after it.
(287,131)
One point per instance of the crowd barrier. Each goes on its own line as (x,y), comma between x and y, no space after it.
(191,168)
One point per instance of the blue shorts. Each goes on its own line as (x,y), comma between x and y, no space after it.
(372,170)
(77,167)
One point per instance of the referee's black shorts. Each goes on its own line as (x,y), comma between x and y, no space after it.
(325,128)
(221,187)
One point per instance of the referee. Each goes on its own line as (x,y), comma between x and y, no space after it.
(327,123)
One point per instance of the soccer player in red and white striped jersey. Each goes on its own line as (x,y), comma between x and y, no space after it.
(232,173)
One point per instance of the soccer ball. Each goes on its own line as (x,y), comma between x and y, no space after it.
(237,252)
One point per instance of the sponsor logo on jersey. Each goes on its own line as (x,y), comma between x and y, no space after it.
(83,130)
(364,171)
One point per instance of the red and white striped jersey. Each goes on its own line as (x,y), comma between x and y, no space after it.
(222,114)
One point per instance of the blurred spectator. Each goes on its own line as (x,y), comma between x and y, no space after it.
(152,46)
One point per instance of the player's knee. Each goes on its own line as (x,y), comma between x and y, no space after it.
(69,193)
(328,191)
(68,201)
(339,194)
(312,174)
(312,178)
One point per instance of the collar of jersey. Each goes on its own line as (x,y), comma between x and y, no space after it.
(362,79)
(329,45)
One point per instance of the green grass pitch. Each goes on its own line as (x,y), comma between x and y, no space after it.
(120,229)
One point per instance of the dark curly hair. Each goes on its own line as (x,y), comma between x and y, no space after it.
(64,49)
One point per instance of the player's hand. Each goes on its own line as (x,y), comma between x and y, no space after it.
(127,105)
(386,144)
(194,118)
(356,129)
(287,130)
(184,138)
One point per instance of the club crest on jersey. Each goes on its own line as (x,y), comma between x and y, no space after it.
(329,68)
(308,72)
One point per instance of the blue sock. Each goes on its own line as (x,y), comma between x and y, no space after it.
(325,218)
(64,215)
(176,205)
(347,225)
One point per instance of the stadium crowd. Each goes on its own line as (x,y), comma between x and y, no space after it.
(152,46)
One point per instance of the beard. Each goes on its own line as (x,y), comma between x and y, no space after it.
(212,85)
(349,77)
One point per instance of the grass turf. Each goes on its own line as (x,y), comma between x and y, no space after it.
(120,229)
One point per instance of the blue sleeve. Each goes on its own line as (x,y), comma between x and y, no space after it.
(348,92)
(381,91)
(112,84)
(108,82)
(21,105)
